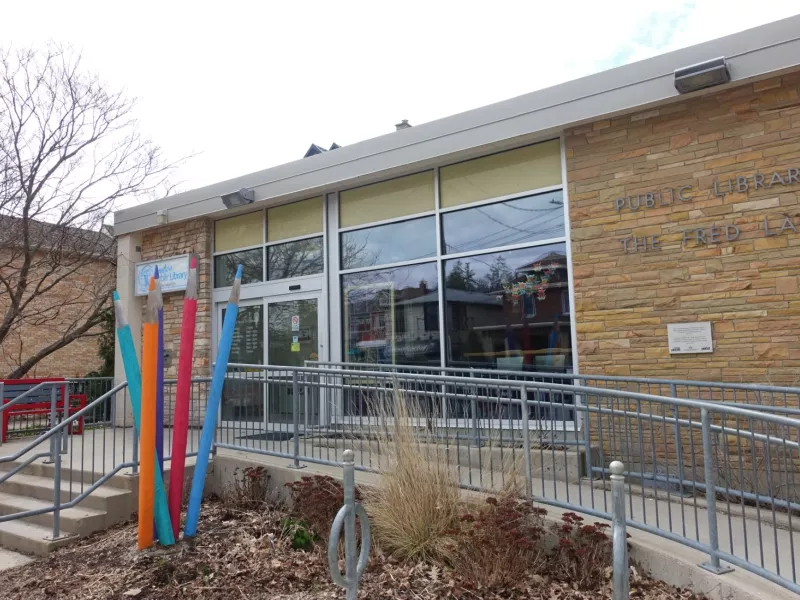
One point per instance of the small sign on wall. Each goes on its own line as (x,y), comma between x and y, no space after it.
(690,338)
(173,273)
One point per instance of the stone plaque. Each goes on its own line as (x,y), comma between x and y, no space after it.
(690,338)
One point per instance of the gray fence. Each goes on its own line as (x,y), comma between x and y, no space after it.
(562,437)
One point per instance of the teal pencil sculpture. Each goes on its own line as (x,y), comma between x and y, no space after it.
(214,398)
(134,377)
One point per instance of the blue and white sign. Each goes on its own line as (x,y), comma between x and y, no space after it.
(173,273)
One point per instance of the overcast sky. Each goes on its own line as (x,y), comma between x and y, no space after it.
(249,85)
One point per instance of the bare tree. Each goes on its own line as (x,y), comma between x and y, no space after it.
(70,150)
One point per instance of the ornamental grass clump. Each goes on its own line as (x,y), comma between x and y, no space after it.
(417,501)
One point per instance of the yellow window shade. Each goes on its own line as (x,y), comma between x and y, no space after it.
(295,219)
(239,232)
(386,200)
(501,174)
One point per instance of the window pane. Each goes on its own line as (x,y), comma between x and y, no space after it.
(390,243)
(392,316)
(294,259)
(239,232)
(387,200)
(225,265)
(511,172)
(505,310)
(294,220)
(243,396)
(527,219)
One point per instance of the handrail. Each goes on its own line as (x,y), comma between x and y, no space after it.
(4,406)
(66,422)
(683,402)
(718,384)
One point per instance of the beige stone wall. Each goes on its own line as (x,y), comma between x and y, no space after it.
(171,240)
(74,296)
(747,286)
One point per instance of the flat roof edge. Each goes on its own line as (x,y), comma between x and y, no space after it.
(751,54)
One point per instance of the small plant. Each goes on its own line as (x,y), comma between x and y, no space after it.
(499,542)
(583,553)
(299,534)
(316,500)
(250,488)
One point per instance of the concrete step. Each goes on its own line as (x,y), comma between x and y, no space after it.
(31,538)
(106,497)
(79,520)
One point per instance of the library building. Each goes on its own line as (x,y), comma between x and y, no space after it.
(642,222)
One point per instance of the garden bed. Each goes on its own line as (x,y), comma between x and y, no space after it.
(244,550)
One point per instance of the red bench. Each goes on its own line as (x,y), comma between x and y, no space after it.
(37,405)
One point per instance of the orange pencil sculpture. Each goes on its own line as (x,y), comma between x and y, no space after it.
(147,446)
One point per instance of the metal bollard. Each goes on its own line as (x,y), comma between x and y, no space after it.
(618,532)
(354,566)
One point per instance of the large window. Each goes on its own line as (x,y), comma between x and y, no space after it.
(506,310)
(294,246)
(501,246)
(384,244)
(392,315)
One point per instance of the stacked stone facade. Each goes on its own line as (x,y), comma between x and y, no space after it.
(690,212)
(188,237)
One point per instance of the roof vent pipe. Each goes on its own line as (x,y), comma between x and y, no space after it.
(404,124)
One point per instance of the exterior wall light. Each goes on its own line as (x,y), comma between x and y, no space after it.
(240,198)
(702,75)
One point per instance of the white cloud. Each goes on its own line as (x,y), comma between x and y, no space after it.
(252,84)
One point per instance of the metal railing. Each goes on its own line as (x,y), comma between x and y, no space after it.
(562,437)
(81,462)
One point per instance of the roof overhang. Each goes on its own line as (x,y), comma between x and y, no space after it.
(753,54)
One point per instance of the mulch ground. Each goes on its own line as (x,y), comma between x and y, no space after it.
(240,554)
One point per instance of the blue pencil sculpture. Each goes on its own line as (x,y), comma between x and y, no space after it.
(160,382)
(214,398)
(134,377)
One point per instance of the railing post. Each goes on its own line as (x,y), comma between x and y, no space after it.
(2,401)
(711,497)
(135,451)
(587,435)
(55,458)
(354,564)
(526,442)
(673,391)
(476,442)
(618,531)
(296,422)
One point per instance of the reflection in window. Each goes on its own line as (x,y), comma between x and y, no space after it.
(293,259)
(252,262)
(392,316)
(528,219)
(384,244)
(243,396)
(505,310)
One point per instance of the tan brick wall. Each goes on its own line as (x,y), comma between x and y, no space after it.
(747,288)
(172,240)
(75,295)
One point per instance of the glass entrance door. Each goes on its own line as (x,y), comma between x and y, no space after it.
(243,397)
(292,338)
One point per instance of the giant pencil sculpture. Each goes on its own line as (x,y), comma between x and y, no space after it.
(160,377)
(182,398)
(214,397)
(147,433)
(134,377)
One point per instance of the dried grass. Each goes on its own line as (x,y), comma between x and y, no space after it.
(418,500)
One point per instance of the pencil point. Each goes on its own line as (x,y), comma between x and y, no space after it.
(152,285)
(239,272)
(115,295)
(193,262)
(155,272)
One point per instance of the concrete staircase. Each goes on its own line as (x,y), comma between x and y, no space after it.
(32,488)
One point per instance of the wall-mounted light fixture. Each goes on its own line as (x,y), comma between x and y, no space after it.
(702,75)
(240,198)
(161,217)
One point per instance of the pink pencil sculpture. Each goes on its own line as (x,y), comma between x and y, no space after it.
(182,398)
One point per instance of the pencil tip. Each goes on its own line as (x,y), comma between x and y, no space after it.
(239,272)
(152,285)
(115,295)
(193,262)
(155,272)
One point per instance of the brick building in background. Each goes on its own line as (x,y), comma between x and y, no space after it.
(72,274)
(567,230)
